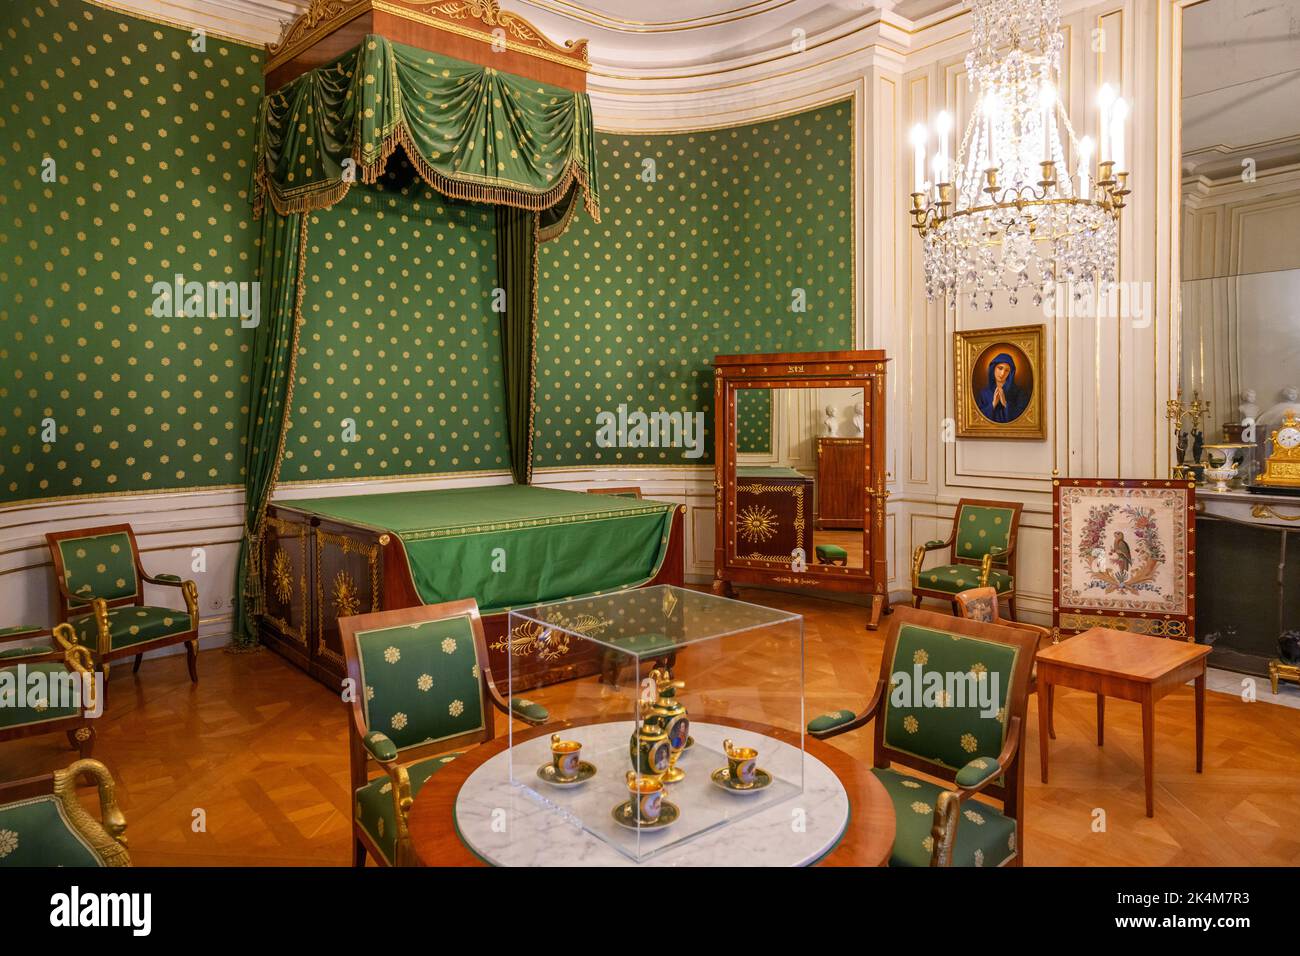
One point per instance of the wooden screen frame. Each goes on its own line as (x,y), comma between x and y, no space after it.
(1074,620)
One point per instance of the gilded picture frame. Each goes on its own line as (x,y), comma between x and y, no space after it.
(1124,555)
(999,381)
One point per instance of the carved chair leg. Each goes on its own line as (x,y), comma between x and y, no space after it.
(916,600)
(358,853)
(1011,608)
(135,668)
(83,739)
(192,658)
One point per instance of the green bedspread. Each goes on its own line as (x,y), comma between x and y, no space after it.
(552,544)
(767,471)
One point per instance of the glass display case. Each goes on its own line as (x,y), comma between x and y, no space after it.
(694,720)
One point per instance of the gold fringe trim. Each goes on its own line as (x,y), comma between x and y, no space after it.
(318,198)
(560,226)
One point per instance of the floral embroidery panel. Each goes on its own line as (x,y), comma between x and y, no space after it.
(1124,549)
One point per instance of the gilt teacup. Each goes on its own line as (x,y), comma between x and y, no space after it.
(742,765)
(566,757)
(646,797)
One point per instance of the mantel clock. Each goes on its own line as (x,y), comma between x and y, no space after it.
(1282,467)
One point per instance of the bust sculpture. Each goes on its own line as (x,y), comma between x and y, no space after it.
(1290,403)
(1248,409)
(857,420)
(828,425)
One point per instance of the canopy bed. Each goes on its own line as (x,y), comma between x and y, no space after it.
(485,110)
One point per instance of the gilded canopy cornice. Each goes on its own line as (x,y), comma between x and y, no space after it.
(474,19)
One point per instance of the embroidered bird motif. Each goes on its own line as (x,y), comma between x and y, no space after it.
(1120,553)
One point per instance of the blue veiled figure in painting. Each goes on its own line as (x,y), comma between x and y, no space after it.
(1003,400)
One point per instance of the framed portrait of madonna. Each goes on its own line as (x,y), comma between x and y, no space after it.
(1124,555)
(1000,383)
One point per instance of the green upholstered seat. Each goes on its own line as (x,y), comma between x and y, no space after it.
(952,708)
(830,553)
(373,804)
(984,836)
(132,625)
(37,832)
(14,709)
(99,566)
(530,709)
(947,705)
(980,527)
(952,578)
(832,719)
(422,681)
(33,647)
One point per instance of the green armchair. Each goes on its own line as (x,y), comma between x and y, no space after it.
(65,668)
(42,823)
(981,553)
(950,703)
(101,594)
(420,688)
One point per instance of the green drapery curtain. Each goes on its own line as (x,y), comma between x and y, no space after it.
(472,132)
(281,269)
(517,238)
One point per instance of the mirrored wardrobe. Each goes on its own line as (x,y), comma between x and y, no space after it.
(800,483)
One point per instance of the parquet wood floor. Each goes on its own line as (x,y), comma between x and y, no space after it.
(259,749)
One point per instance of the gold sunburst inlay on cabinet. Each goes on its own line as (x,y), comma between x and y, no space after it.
(347,601)
(282,575)
(757,523)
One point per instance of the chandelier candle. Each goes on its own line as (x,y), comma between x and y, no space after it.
(1005,214)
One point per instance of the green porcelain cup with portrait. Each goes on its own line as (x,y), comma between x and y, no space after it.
(566,758)
(649,748)
(645,796)
(742,765)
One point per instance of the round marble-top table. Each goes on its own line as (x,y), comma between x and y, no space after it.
(865,840)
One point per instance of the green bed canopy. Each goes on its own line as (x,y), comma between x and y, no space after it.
(473,133)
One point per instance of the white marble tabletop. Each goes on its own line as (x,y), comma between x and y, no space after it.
(527,822)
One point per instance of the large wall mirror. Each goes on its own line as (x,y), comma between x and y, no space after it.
(801,445)
(1240,317)
(1241,220)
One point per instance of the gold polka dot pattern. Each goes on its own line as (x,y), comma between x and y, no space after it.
(151,145)
(706,259)
(399,339)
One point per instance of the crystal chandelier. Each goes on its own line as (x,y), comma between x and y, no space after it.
(1007,214)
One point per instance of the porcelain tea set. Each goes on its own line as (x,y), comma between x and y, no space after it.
(661,737)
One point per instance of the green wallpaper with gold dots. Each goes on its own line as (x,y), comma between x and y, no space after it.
(124,161)
(399,365)
(728,241)
(754,421)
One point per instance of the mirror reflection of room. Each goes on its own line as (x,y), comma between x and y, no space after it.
(1241,238)
(800,475)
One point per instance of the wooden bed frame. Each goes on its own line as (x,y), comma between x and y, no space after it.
(316,570)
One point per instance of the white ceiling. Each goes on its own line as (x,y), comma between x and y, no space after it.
(1241,85)
(626,36)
